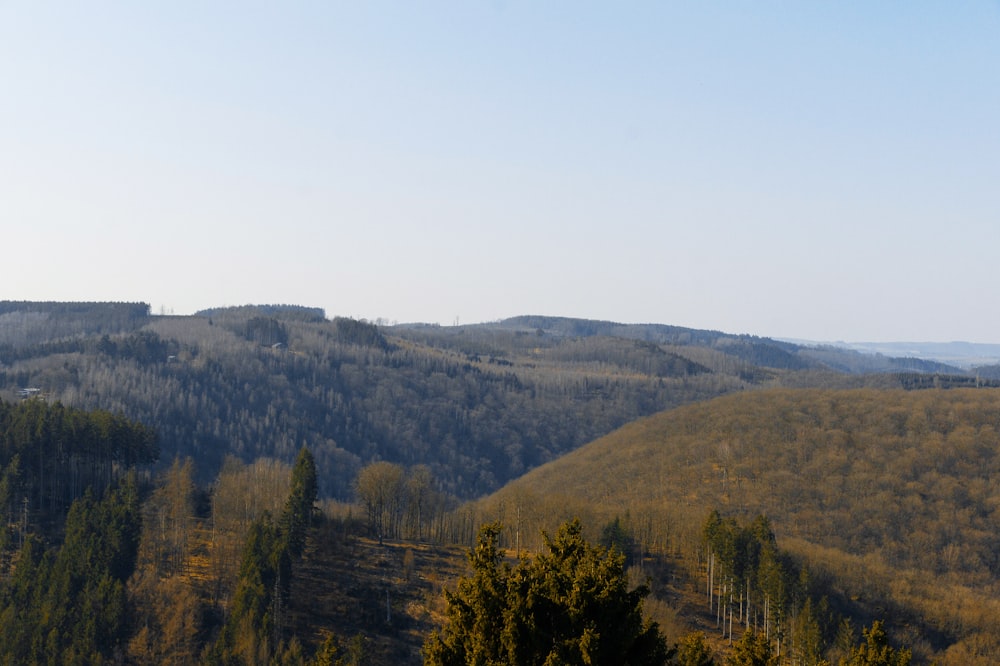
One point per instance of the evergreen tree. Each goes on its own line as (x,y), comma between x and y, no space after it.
(615,535)
(753,649)
(476,610)
(251,632)
(693,650)
(807,636)
(298,511)
(876,651)
(254,627)
(68,606)
(568,605)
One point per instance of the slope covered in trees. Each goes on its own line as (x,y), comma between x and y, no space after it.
(889,495)
(70,527)
(863,504)
(264,381)
(67,605)
(51,454)
(479,405)
(139,573)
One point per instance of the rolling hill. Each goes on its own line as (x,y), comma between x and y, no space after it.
(478,404)
(877,474)
(889,495)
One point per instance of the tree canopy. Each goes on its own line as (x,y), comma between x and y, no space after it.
(568,605)
(876,651)
(67,605)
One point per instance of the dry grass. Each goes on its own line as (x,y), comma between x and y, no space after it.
(391,594)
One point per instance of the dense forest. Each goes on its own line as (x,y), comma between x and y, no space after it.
(100,564)
(262,382)
(261,484)
(248,570)
(50,455)
(479,405)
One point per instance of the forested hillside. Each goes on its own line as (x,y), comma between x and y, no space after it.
(750,349)
(69,531)
(100,563)
(772,485)
(479,405)
(51,454)
(888,496)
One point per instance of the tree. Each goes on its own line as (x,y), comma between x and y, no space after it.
(843,643)
(168,617)
(380,488)
(250,634)
(419,492)
(568,605)
(476,609)
(876,651)
(242,495)
(693,650)
(9,482)
(68,605)
(297,515)
(807,636)
(753,649)
(169,518)
(615,535)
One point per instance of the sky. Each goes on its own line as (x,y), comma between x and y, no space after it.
(811,170)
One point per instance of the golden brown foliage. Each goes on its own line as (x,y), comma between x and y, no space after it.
(890,492)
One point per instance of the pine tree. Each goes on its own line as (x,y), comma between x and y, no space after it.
(693,650)
(753,649)
(69,605)
(876,651)
(568,605)
(297,515)
(249,636)
(476,609)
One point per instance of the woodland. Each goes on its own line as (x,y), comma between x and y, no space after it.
(262,484)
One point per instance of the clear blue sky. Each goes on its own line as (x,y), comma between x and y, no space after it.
(819,170)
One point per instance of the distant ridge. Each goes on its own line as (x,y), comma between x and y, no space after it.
(270,310)
(479,404)
(960,354)
(778,353)
(749,348)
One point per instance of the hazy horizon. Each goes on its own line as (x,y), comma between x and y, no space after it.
(822,172)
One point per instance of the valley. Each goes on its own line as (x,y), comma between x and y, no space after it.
(876,475)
